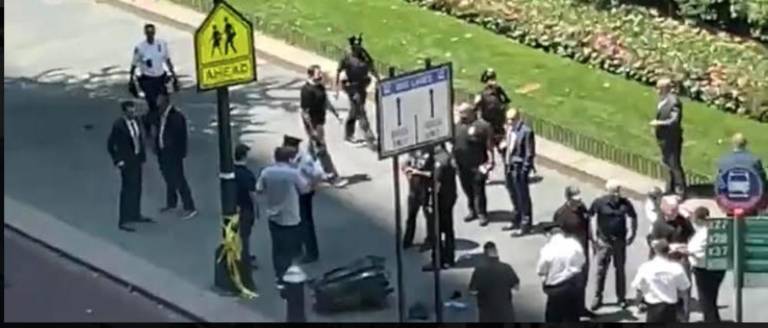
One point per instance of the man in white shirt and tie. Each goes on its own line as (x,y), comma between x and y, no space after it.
(662,283)
(560,266)
(126,148)
(152,57)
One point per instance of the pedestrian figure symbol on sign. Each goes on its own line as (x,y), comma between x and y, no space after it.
(229,31)
(216,40)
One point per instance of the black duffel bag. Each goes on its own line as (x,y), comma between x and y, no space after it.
(361,284)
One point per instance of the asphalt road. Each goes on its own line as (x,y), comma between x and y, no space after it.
(66,68)
(42,286)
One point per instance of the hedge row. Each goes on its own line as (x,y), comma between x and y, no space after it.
(727,72)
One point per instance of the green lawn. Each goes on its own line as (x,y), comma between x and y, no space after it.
(586,100)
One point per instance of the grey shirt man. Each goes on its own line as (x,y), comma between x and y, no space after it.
(281,184)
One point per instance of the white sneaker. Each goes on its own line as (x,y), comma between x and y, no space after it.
(340,182)
(189,215)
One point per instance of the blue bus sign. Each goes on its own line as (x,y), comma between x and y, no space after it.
(739,187)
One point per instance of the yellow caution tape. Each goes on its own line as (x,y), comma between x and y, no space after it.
(230,251)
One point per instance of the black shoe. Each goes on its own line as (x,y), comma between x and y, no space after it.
(126,228)
(519,233)
(484,221)
(407,245)
(510,227)
(425,247)
(623,304)
(145,219)
(470,218)
(597,303)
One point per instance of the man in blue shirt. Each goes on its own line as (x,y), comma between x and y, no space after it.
(742,157)
(246,199)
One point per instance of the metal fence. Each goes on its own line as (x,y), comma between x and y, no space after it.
(544,128)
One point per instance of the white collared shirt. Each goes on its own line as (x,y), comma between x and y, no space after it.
(155,54)
(133,128)
(651,212)
(661,280)
(163,120)
(560,259)
(697,247)
(310,168)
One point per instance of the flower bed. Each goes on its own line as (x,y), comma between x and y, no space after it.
(727,72)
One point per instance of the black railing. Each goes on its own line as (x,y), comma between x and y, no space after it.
(544,128)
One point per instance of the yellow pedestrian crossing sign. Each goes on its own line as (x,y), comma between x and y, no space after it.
(224,53)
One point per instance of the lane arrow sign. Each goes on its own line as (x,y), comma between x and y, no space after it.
(431,103)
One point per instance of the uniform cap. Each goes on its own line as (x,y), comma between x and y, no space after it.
(290,141)
(572,192)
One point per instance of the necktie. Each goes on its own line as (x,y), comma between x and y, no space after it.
(134,129)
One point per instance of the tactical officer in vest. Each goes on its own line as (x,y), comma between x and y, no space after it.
(357,66)
(473,153)
(418,168)
(491,104)
(445,174)
(668,128)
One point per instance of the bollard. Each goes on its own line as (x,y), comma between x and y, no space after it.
(293,293)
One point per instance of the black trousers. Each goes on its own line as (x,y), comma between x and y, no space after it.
(671,152)
(447,234)
(418,199)
(247,217)
(152,87)
(517,183)
(473,183)
(172,169)
(582,297)
(130,193)
(561,299)
(357,95)
(319,149)
(286,246)
(607,251)
(309,235)
(708,287)
(661,313)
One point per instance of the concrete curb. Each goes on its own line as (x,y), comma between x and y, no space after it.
(151,281)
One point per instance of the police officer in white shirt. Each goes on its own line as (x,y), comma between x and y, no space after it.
(560,265)
(152,57)
(662,282)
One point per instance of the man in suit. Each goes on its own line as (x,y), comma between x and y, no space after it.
(742,157)
(126,148)
(669,135)
(171,145)
(520,151)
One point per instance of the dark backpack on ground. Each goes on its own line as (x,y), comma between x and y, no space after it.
(361,284)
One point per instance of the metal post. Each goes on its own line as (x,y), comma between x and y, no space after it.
(436,241)
(738,274)
(398,232)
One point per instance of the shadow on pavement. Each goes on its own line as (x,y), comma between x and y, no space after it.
(56,160)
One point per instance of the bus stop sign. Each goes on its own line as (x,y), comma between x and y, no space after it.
(739,187)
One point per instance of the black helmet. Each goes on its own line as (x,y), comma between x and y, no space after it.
(356,40)
(488,74)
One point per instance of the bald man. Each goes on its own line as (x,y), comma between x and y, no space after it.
(669,135)
(611,238)
(742,157)
(519,152)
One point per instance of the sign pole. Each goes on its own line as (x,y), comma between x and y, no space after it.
(398,231)
(436,242)
(738,270)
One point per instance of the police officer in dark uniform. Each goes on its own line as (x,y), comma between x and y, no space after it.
(246,201)
(473,154)
(491,104)
(669,135)
(357,66)
(445,174)
(418,168)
